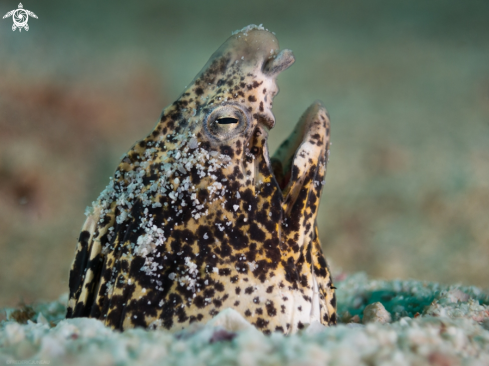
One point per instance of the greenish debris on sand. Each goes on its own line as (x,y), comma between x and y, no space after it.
(409,323)
(403,298)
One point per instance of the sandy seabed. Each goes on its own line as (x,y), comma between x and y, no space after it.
(381,323)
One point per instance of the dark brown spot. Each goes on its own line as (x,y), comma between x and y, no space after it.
(261,323)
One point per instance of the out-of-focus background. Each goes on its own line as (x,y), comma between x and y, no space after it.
(406,85)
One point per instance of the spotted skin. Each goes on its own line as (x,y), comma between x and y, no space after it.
(198,218)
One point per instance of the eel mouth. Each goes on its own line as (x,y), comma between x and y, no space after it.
(300,156)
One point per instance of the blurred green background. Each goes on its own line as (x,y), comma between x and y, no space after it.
(406,85)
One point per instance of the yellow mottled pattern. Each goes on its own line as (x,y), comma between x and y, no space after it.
(198,218)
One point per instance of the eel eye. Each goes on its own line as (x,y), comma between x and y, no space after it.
(227,121)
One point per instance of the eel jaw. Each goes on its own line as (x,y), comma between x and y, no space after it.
(301,158)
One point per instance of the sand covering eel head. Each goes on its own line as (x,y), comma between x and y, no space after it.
(198,218)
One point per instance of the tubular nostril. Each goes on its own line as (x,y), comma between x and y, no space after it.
(265,120)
